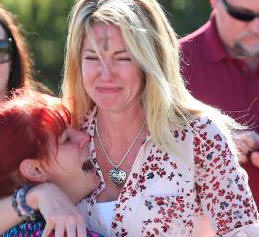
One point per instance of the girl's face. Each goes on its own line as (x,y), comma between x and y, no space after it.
(4,67)
(70,167)
(114,83)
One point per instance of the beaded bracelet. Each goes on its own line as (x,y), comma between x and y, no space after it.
(19,203)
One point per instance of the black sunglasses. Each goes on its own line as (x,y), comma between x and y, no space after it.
(238,14)
(6,49)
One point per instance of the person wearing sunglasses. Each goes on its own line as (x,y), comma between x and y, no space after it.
(15,61)
(220,62)
(239,14)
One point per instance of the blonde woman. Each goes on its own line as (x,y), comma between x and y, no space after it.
(166,161)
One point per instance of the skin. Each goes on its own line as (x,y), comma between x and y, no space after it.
(66,172)
(64,183)
(248,145)
(4,70)
(64,167)
(115,84)
(241,40)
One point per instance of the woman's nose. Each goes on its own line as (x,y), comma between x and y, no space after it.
(107,71)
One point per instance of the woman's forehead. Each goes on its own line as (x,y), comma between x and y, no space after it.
(105,36)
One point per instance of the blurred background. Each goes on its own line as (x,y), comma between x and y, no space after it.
(45,26)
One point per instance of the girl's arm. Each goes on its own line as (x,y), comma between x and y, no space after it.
(57,209)
(8,217)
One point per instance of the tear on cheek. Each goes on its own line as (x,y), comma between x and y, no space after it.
(87,165)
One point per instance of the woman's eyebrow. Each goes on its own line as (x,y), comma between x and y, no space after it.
(121,51)
(90,50)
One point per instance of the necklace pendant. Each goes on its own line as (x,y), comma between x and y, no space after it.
(117,177)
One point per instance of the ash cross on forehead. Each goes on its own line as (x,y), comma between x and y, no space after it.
(105,45)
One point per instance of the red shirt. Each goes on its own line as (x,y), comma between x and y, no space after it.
(221,81)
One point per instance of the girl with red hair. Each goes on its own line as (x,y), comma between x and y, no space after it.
(37,146)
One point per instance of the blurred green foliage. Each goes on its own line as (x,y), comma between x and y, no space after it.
(45,26)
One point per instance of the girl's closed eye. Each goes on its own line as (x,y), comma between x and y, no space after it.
(64,138)
(67,139)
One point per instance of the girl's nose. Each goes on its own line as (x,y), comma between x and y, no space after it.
(84,139)
(80,137)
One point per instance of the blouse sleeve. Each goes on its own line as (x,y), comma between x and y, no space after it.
(222,185)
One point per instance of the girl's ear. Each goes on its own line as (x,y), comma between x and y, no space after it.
(32,170)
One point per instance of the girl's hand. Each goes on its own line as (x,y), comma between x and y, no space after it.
(60,214)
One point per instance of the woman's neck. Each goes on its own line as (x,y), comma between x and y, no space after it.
(120,127)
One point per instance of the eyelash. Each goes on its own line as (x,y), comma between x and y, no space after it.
(124,59)
(96,58)
(91,58)
(67,139)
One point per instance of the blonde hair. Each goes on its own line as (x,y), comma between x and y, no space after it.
(154,47)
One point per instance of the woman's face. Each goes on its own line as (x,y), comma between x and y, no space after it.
(4,69)
(70,168)
(114,83)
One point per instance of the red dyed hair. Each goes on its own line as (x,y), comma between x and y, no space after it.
(26,123)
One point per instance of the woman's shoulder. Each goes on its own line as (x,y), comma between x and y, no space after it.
(199,127)
(204,123)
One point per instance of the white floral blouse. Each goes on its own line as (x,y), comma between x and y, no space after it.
(165,197)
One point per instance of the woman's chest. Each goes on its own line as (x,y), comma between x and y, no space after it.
(160,201)
(159,209)
(158,198)
(114,172)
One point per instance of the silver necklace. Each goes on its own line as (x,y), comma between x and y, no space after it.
(117,175)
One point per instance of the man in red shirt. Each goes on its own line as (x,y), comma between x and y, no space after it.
(220,62)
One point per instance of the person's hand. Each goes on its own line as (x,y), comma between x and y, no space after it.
(248,145)
(58,211)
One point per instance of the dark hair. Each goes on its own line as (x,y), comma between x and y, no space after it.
(21,71)
(26,123)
